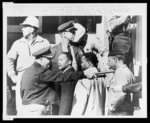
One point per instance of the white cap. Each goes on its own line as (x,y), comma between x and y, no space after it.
(32,21)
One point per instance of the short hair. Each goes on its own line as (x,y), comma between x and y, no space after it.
(68,55)
(90,56)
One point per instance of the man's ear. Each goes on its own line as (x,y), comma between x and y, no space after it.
(116,60)
(61,34)
(41,59)
(89,63)
(69,62)
(31,30)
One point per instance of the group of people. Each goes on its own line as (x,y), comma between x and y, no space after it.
(62,79)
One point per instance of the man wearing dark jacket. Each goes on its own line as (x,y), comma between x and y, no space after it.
(67,77)
(65,31)
(134,88)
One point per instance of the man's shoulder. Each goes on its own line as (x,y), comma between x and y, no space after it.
(19,40)
(126,72)
(18,43)
(34,69)
(56,48)
(78,50)
(40,38)
(71,69)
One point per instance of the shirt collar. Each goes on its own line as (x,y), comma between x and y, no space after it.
(36,64)
(67,69)
(38,39)
(121,67)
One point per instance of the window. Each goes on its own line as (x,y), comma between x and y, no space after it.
(50,24)
(13,24)
(89,22)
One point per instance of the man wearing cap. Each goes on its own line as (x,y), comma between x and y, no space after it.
(79,36)
(19,57)
(33,93)
(66,32)
(119,101)
(37,84)
(73,33)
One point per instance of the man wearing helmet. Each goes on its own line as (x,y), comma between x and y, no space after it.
(19,57)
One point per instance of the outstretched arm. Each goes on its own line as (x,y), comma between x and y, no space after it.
(57,76)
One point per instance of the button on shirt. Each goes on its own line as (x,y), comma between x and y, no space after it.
(21,51)
(122,76)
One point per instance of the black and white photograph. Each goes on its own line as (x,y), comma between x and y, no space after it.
(81,60)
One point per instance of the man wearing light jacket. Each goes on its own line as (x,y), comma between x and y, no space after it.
(119,102)
(89,95)
(19,57)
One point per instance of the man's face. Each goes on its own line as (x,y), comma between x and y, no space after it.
(112,62)
(45,62)
(27,30)
(84,63)
(63,62)
(66,37)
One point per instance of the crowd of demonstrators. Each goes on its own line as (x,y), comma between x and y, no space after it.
(62,79)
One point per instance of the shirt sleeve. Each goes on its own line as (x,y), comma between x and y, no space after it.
(11,59)
(47,43)
(137,87)
(121,80)
(95,43)
(57,76)
(39,45)
(118,96)
(113,22)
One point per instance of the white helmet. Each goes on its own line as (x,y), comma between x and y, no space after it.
(32,21)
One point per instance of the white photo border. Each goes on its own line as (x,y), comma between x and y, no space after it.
(78,9)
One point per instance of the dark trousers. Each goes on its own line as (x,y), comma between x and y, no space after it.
(11,104)
(55,109)
(67,90)
(121,113)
